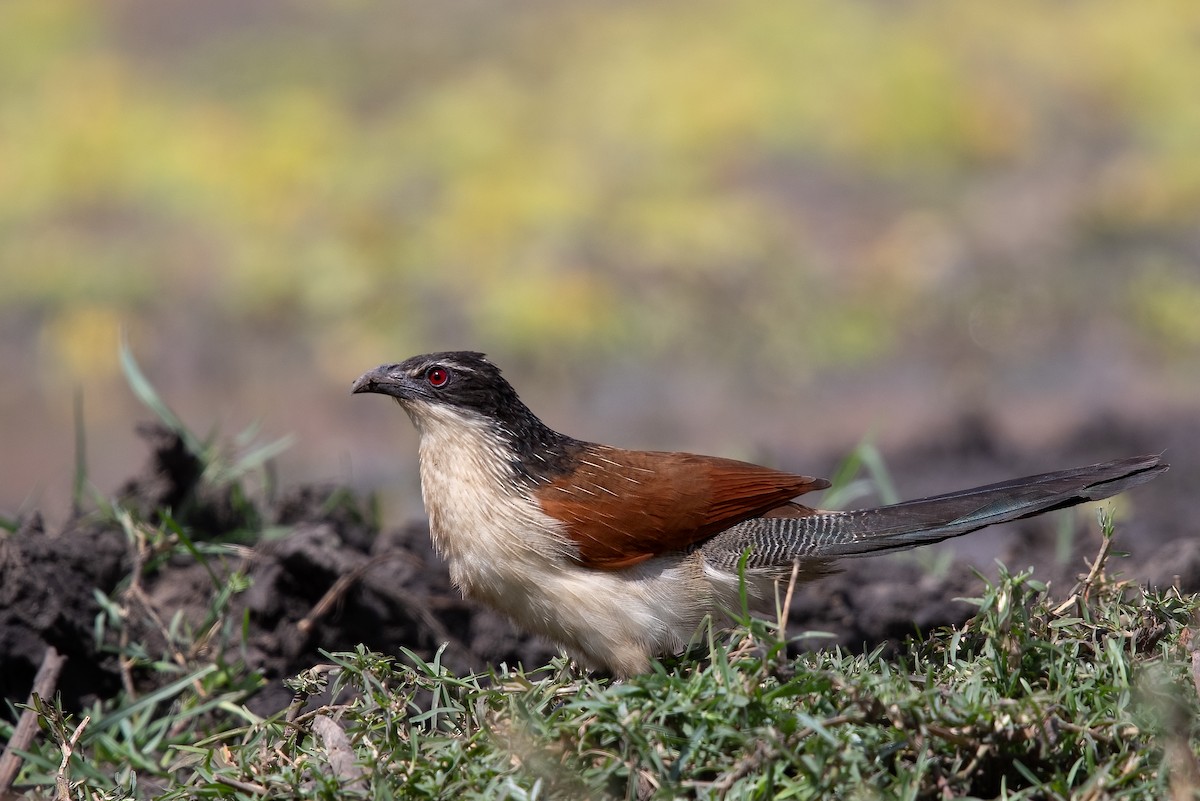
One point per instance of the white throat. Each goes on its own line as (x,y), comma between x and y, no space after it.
(477,510)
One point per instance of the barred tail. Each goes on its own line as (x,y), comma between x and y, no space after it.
(825,536)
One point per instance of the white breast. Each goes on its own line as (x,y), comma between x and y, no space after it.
(505,551)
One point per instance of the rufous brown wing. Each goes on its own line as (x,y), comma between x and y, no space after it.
(621,507)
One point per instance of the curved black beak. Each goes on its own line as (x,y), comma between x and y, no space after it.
(385,379)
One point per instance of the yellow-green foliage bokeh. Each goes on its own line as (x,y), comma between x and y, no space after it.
(796,179)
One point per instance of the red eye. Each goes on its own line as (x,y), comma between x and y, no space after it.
(437,376)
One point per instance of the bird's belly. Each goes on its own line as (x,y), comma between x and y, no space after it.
(512,559)
(616,620)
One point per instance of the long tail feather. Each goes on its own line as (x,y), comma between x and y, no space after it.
(824,536)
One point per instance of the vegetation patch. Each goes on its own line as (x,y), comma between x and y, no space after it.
(210,640)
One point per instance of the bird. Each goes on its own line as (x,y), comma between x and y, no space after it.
(619,556)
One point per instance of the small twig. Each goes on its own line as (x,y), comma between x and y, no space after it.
(958,738)
(1095,732)
(1083,588)
(140,548)
(62,781)
(787,599)
(339,754)
(761,754)
(124,663)
(1098,564)
(334,595)
(245,787)
(44,684)
(137,593)
(973,765)
(302,720)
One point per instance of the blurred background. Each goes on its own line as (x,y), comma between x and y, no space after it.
(762,231)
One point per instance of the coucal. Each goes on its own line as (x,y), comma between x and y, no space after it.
(617,555)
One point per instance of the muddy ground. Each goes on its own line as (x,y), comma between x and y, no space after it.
(395,592)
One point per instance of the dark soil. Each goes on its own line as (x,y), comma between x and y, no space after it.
(395,593)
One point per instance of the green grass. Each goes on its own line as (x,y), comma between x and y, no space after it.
(1085,695)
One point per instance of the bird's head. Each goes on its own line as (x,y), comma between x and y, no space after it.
(453,390)
(454,381)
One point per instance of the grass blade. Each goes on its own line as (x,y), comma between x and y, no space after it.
(149,396)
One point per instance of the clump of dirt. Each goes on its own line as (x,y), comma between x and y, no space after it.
(47,586)
(333,580)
